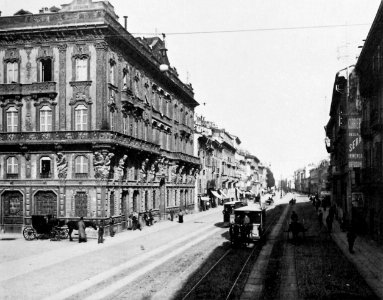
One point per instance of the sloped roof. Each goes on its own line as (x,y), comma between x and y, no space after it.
(22,12)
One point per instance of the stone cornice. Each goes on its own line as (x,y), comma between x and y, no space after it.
(74,26)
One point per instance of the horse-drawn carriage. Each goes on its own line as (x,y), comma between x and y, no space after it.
(45,226)
(269,201)
(249,224)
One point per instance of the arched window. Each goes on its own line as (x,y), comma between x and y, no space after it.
(81,166)
(81,117)
(12,119)
(12,167)
(45,167)
(82,69)
(12,72)
(45,118)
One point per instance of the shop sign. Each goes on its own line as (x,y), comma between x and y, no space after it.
(355,149)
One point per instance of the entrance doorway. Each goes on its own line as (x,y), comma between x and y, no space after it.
(12,211)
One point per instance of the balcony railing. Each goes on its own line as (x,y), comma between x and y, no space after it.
(52,138)
(47,88)
(12,176)
(81,175)
(76,137)
(46,175)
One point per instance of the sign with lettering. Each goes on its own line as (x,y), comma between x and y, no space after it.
(355,147)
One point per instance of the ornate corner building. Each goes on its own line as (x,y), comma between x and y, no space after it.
(89,124)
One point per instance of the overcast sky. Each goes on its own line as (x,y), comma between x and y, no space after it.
(271,88)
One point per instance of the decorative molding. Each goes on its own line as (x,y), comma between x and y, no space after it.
(81,51)
(62,47)
(80,92)
(12,55)
(101,46)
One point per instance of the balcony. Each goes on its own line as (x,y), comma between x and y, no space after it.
(12,175)
(35,89)
(74,138)
(46,175)
(182,156)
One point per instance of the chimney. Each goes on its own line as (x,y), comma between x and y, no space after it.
(126,22)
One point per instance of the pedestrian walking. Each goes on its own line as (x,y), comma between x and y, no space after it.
(294,217)
(171,215)
(180,217)
(136,223)
(81,231)
(329,221)
(146,219)
(111,227)
(150,215)
(351,236)
(101,232)
(320,217)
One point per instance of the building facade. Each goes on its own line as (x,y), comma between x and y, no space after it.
(89,125)
(346,147)
(369,70)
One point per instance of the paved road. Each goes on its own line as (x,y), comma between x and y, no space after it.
(60,270)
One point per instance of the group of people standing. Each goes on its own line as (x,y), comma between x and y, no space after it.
(240,230)
(333,213)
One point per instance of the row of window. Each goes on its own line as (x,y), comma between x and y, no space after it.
(46,121)
(45,70)
(81,163)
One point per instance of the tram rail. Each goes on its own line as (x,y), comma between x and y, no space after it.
(256,246)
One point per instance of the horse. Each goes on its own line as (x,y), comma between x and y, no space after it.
(73,225)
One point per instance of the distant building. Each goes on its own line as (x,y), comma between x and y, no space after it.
(227,171)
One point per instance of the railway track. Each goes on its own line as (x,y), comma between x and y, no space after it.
(245,257)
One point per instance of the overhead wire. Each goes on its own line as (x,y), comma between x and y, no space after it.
(255,29)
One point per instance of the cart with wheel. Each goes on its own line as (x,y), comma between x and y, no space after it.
(44,227)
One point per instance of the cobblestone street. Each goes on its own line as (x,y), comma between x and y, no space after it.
(314,267)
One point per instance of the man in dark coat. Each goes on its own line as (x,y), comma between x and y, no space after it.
(81,231)
(351,236)
(111,227)
(101,232)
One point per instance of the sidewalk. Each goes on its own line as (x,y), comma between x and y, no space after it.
(368,257)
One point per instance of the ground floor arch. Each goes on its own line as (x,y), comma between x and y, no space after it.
(12,211)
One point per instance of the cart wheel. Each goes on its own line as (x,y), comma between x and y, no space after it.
(54,235)
(29,233)
(64,233)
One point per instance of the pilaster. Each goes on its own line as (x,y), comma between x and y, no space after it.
(101,95)
(62,86)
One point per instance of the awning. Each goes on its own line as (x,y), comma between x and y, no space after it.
(205,198)
(216,195)
(224,196)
